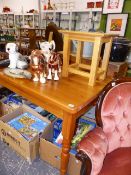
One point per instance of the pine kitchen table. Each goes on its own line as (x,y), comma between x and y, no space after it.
(67,98)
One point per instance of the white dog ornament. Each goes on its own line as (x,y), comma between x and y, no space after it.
(16,59)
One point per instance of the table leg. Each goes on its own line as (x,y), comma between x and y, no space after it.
(69,122)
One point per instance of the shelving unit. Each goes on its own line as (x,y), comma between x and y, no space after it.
(47,18)
(67,19)
(76,20)
(7,23)
(69,14)
(10,22)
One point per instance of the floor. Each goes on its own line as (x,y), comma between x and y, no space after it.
(13,164)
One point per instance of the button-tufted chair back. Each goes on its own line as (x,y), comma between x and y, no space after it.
(113,134)
(116,115)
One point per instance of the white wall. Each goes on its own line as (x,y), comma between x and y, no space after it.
(1,5)
(79,4)
(17,5)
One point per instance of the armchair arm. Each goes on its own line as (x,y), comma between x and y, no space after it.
(92,151)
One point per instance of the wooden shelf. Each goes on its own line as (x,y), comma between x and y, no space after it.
(88,10)
(6,13)
(75,10)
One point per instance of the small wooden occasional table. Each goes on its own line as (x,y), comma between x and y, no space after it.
(67,98)
(95,70)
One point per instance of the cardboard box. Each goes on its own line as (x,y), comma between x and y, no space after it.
(28,149)
(5,109)
(117,68)
(2,109)
(51,153)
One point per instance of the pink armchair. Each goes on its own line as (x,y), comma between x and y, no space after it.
(107,149)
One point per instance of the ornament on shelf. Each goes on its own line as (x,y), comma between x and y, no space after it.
(49,5)
(6,9)
(33,11)
(99,4)
(44,6)
(90,4)
(71,5)
(54,7)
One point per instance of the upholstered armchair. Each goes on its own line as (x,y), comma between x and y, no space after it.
(106,150)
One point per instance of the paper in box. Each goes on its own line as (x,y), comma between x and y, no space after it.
(15,98)
(57,128)
(90,113)
(29,149)
(28,125)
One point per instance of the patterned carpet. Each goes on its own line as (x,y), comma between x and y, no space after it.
(13,164)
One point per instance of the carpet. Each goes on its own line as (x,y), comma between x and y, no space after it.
(13,164)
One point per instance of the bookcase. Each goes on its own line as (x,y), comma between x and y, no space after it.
(10,22)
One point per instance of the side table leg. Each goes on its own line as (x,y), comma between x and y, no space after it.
(66,56)
(106,57)
(95,61)
(68,128)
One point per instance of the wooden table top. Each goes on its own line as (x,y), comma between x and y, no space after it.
(56,96)
(86,34)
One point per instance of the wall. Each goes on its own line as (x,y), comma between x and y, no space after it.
(78,4)
(17,5)
(126,9)
(1,5)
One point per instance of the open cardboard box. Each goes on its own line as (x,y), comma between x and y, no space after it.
(5,109)
(2,109)
(51,153)
(28,149)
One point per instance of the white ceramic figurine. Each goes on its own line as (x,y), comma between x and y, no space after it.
(52,59)
(37,62)
(16,59)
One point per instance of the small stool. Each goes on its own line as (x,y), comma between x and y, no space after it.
(95,70)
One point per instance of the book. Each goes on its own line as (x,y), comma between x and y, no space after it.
(82,130)
(84,126)
(28,125)
(90,113)
(14,99)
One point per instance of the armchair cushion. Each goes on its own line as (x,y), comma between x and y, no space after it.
(94,145)
(113,115)
(118,162)
(116,116)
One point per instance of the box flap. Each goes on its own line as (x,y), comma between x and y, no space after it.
(12,115)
